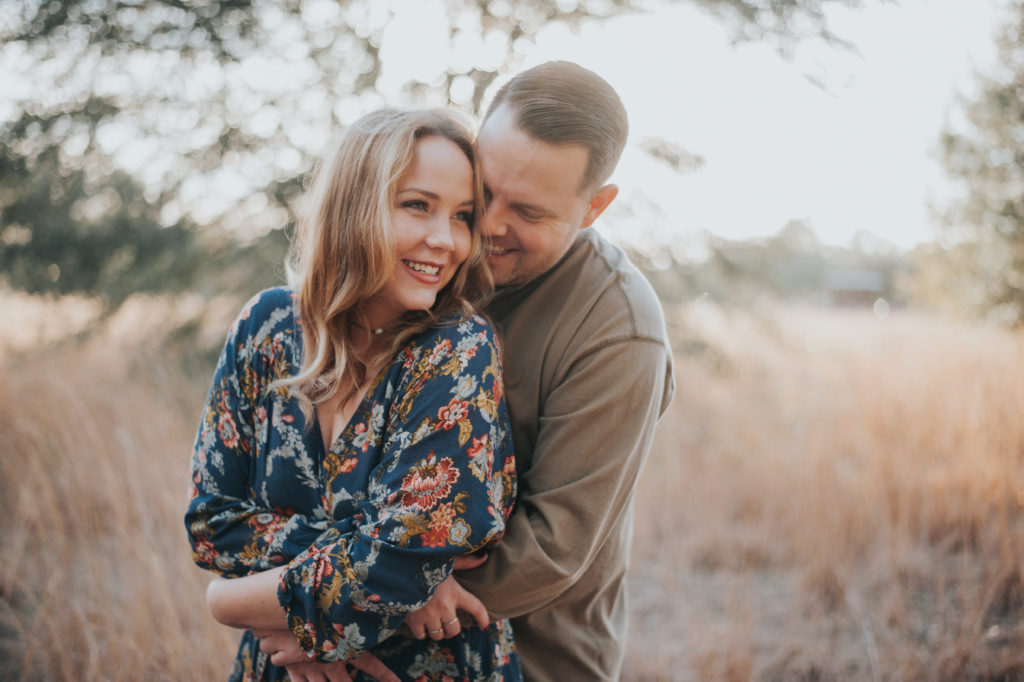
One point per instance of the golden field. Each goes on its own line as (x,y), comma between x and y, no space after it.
(831,497)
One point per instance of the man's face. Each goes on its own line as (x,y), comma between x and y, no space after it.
(535,205)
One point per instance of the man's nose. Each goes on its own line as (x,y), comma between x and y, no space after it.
(493,224)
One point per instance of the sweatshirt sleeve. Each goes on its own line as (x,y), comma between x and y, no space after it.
(595,430)
(442,488)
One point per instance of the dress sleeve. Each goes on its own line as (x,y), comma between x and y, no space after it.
(231,534)
(442,488)
(589,452)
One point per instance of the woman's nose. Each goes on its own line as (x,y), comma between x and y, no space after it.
(440,235)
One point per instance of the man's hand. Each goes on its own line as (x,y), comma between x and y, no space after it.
(285,653)
(439,619)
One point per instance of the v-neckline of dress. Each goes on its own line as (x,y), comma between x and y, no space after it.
(343,434)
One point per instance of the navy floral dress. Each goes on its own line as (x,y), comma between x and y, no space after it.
(422,473)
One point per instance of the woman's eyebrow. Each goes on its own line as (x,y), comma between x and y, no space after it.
(424,192)
(429,194)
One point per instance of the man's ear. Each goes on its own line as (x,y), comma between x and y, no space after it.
(598,203)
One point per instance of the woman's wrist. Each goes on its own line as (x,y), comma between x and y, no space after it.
(249,602)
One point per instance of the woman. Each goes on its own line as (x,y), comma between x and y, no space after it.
(355,439)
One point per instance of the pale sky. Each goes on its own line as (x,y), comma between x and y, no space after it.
(843,141)
(856,152)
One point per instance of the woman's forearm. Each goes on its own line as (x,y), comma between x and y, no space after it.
(249,602)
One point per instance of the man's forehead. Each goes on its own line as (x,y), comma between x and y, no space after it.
(511,151)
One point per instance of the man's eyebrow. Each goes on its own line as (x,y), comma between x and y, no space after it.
(521,205)
(532,208)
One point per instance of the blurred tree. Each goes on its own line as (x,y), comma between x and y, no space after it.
(981,270)
(65,230)
(947,279)
(136,121)
(791,265)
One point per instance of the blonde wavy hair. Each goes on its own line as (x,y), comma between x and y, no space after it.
(344,251)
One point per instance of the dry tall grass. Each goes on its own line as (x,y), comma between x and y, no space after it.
(835,497)
(831,497)
(95,577)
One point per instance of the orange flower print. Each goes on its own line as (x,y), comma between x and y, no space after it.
(226,430)
(481,457)
(438,353)
(467,348)
(442,516)
(481,445)
(440,526)
(435,537)
(349,636)
(336,465)
(435,665)
(263,520)
(267,524)
(277,345)
(428,482)
(322,567)
(205,551)
(497,390)
(452,413)
(362,438)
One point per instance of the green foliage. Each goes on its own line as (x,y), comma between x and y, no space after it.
(116,26)
(789,266)
(982,268)
(162,144)
(67,231)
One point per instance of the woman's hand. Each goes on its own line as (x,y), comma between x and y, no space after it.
(285,653)
(318,672)
(281,646)
(439,619)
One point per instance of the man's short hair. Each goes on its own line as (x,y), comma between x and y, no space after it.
(564,103)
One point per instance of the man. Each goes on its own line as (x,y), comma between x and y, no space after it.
(587,371)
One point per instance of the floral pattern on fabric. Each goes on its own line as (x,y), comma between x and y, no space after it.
(422,473)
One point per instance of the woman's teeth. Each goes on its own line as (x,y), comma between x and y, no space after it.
(422,267)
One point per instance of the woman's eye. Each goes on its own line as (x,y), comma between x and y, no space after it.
(415,204)
(465,216)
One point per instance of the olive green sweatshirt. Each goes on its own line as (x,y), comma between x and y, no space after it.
(587,371)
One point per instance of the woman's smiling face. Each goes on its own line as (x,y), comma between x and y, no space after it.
(431,220)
